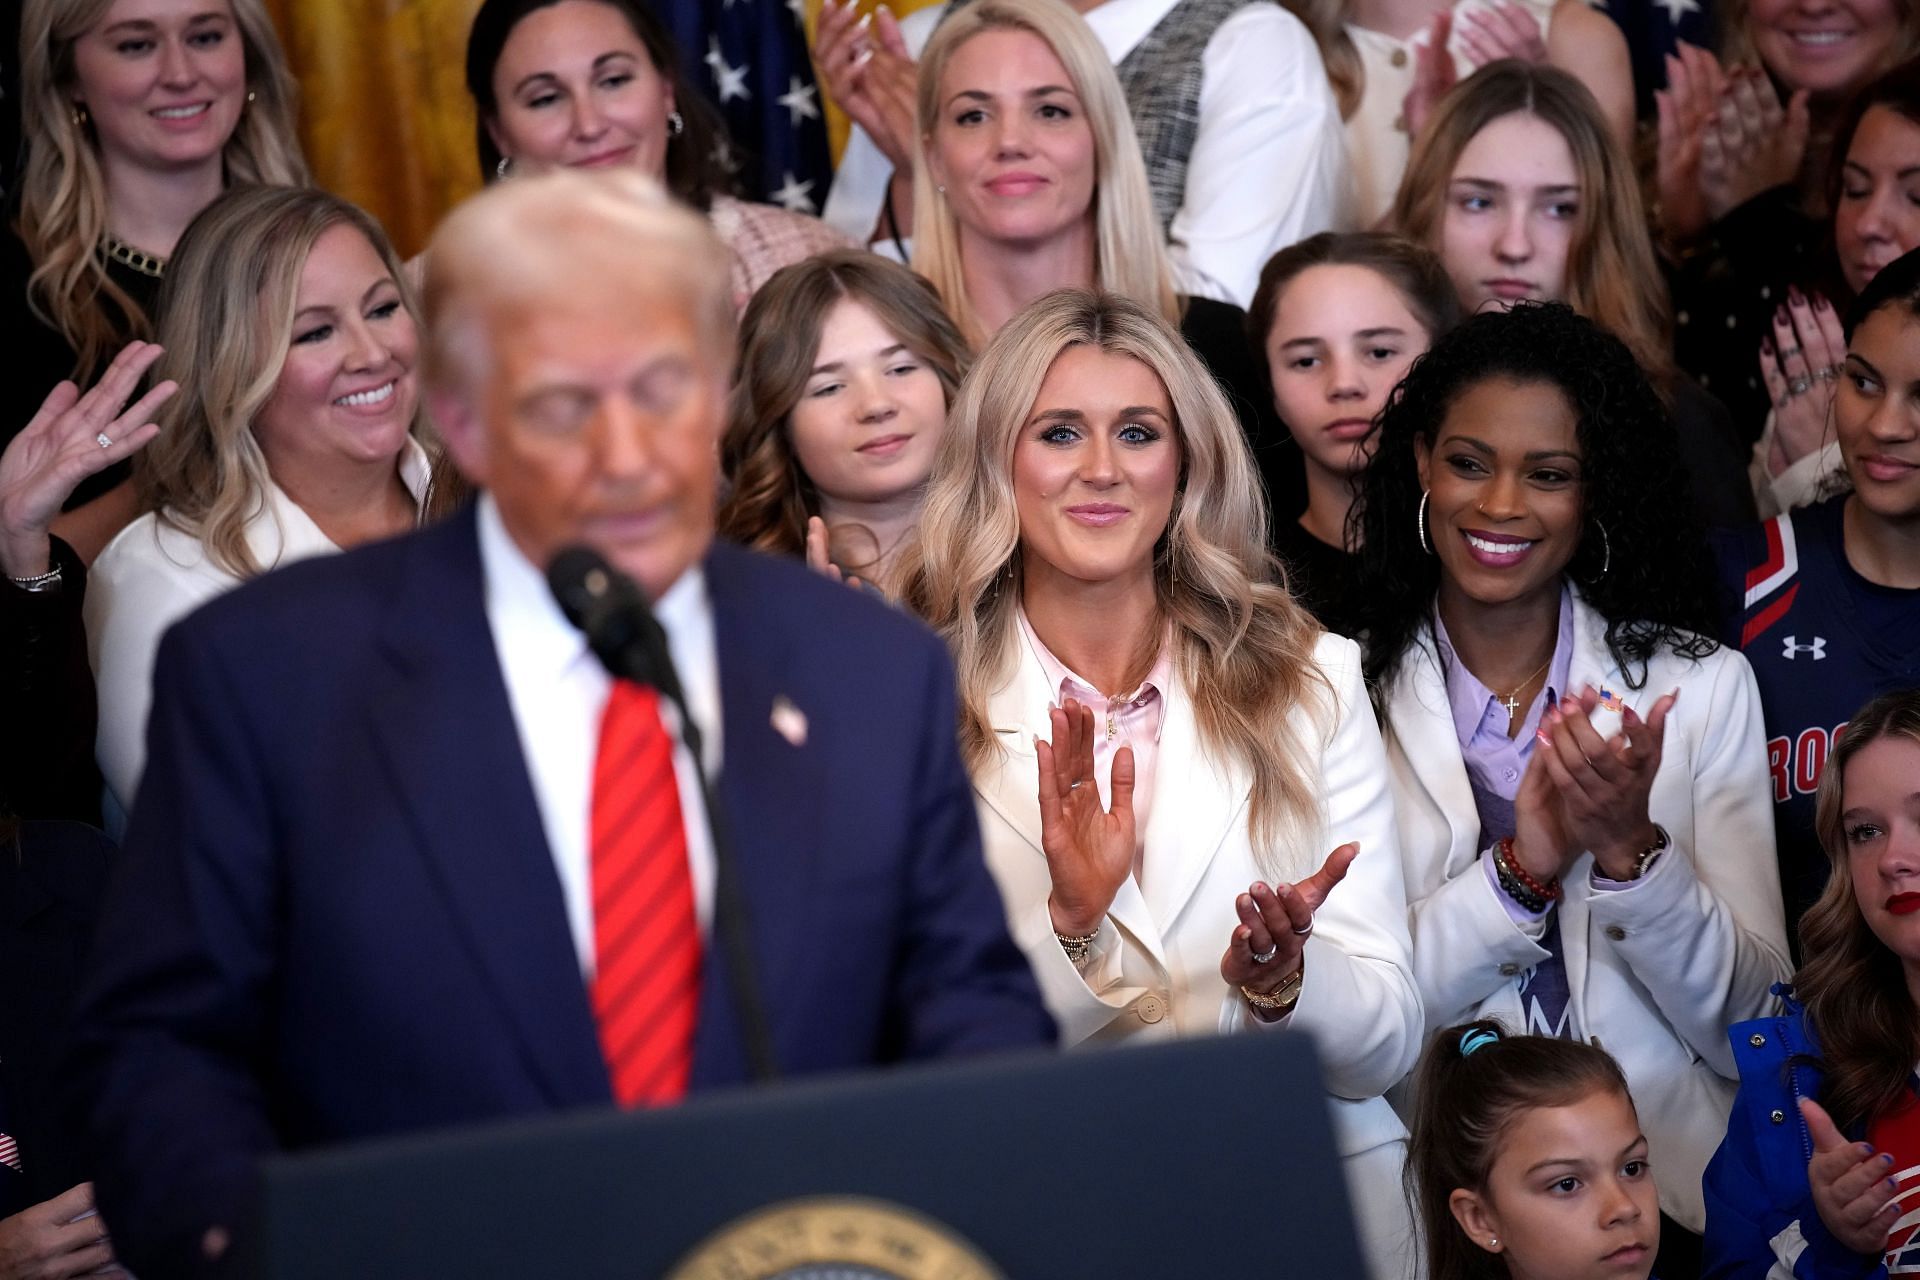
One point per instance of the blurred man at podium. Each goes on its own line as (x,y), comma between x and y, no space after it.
(406,856)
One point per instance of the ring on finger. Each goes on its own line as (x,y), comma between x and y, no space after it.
(1306,932)
(1827,372)
(1788,353)
(1799,385)
(104,440)
(1266,957)
(1075,784)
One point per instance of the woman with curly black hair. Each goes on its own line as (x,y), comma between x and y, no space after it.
(1578,770)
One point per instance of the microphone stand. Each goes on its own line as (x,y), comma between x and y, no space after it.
(630,643)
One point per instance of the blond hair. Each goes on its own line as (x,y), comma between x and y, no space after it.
(226,320)
(63,194)
(1130,255)
(513,243)
(1612,277)
(1242,648)
(1327,20)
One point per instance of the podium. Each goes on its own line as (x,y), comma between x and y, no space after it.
(1176,1161)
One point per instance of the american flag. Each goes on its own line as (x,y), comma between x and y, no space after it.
(751,58)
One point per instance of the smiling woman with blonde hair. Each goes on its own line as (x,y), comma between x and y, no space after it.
(136,114)
(1093,549)
(291,330)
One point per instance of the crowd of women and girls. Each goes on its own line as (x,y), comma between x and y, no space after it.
(1470,538)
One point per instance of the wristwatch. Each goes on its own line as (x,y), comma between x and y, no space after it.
(1280,1002)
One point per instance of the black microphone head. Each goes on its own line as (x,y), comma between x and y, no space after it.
(580,578)
(613,612)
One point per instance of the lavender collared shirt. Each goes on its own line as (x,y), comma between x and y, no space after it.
(1134,720)
(1496,762)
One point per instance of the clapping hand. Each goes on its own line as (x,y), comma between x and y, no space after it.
(868,71)
(73,436)
(1604,784)
(1269,942)
(1800,364)
(1501,30)
(1686,109)
(1752,142)
(1853,1187)
(819,557)
(1433,74)
(1089,849)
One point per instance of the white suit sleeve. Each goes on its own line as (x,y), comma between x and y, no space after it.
(1704,932)
(134,593)
(1358,996)
(1269,164)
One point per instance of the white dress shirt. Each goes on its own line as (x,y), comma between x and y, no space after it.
(155,573)
(558,690)
(1268,167)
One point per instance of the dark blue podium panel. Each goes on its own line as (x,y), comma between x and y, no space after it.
(1194,1159)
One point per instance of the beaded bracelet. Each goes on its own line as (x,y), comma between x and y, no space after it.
(1075,945)
(1535,896)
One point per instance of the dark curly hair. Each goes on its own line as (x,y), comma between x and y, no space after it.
(1658,587)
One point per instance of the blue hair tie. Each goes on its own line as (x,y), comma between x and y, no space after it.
(1479,1038)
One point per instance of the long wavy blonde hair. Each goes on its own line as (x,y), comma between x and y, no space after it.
(1242,648)
(63,194)
(1130,254)
(1613,277)
(226,320)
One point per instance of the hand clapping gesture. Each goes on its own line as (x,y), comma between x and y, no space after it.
(1800,364)
(72,437)
(1602,785)
(1270,941)
(1089,849)
(1852,1185)
(870,74)
(819,555)
(1752,142)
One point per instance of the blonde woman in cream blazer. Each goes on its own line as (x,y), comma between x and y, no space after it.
(1092,549)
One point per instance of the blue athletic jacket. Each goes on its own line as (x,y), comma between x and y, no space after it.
(1761,1223)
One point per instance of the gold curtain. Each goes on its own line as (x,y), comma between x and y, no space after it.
(384,113)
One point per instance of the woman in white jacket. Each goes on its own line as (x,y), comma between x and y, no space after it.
(1157,732)
(1579,772)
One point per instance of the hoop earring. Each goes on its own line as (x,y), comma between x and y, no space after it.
(1425,545)
(502,169)
(1606,551)
(676,123)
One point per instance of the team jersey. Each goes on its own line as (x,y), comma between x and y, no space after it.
(1897,1133)
(1822,640)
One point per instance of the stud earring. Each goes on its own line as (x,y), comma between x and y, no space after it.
(502,169)
(1425,545)
(80,116)
(252,96)
(1493,1242)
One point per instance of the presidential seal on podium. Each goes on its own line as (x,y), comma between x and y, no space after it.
(834,1238)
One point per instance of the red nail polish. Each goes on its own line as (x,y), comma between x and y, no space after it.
(1766,347)
(1795,296)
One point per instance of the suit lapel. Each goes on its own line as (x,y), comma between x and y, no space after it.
(1196,806)
(1010,783)
(1420,721)
(452,751)
(771,791)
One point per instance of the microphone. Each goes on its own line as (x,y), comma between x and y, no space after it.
(613,613)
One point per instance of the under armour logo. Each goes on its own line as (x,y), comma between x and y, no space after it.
(1791,650)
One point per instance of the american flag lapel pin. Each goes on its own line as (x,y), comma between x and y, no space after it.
(789,721)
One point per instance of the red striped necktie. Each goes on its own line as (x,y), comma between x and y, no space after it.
(646,984)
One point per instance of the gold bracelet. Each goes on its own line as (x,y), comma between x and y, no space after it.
(1075,945)
(1280,1001)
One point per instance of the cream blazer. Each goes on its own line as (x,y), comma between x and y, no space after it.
(1656,972)
(1154,971)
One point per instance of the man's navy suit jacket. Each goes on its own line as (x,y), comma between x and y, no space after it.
(338,916)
